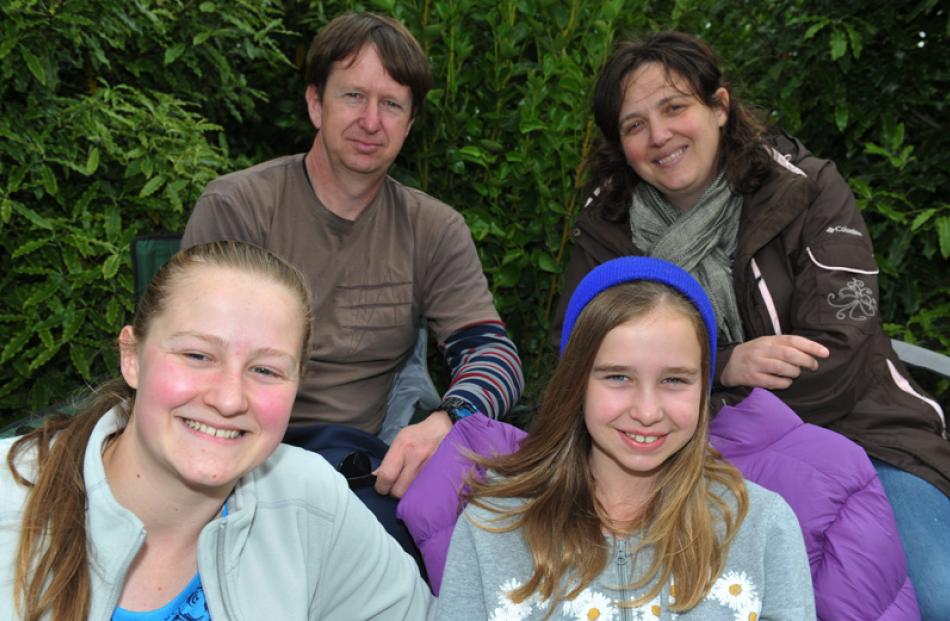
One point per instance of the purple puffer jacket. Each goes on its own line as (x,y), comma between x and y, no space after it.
(857,561)
(431,505)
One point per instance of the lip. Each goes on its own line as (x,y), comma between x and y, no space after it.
(642,446)
(677,155)
(363,146)
(204,436)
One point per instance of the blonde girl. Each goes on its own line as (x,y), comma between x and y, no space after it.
(171,497)
(616,506)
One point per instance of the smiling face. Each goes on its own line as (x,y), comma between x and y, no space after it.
(669,137)
(215,378)
(363,116)
(643,398)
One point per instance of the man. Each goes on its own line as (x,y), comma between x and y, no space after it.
(379,256)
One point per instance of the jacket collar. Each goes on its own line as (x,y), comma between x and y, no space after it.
(115,535)
(785,196)
(752,425)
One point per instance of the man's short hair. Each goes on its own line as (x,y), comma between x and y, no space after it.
(346,35)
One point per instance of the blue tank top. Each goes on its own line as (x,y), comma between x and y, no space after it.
(189,605)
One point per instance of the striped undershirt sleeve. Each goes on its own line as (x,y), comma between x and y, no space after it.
(486,369)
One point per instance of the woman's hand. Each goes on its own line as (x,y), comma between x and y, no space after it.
(771,362)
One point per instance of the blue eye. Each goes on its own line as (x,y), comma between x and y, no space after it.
(266,372)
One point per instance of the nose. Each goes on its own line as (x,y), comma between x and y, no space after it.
(226,392)
(369,120)
(646,408)
(659,133)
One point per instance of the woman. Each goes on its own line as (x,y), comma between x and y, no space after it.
(615,500)
(170,496)
(684,172)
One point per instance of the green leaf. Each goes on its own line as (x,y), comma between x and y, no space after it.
(841,116)
(206,7)
(943,234)
(46,337)
(172,53)
(152,186)
(814,28)
(7,45)
(71,260)
(838,44)
(49,180)
(34,65)
(32,216)
(110,267)
(889,212)
(16,344)
(29,247)
(922,218)
(72,321)
(113,222)
(44,357)
(855,39)
(873,149)
(41,294)
(82,358)
(92,161)
(112,311)
(529,126)
(547,263)
(6,210)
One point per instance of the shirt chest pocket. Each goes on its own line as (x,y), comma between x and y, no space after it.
(845,283)
(381,306)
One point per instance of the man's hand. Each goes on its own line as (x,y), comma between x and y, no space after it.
(409,451)
(772,361)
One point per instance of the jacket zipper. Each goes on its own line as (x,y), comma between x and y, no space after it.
(622,559)
(766,297)
(222,574)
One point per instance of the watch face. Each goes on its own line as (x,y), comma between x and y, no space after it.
(457,408)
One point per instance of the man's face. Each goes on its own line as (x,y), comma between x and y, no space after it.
(363,117)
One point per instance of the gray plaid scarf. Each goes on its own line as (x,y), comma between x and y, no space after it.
(701,240)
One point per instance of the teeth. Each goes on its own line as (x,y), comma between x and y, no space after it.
(228,434)
(642,439)
(672,156)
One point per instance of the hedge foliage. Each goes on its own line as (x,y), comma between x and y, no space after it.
(114,115)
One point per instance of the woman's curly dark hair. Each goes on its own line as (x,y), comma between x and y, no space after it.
(741,152)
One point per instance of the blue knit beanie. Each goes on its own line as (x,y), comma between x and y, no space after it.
(629,269)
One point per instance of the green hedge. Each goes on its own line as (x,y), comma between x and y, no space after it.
(115,114)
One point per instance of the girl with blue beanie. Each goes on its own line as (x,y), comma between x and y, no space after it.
(615,506)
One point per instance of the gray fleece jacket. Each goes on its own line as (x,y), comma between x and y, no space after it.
(296,544)
(766,575)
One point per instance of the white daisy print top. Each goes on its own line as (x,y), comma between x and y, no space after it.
(766,575)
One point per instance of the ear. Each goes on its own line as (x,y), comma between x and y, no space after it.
(314,107)
(722,110)
(129,357)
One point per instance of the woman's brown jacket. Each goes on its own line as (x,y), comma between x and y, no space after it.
(805,265)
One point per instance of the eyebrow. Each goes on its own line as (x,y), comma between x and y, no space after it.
(219,342)
(352,85)
(659,104)
(620,368)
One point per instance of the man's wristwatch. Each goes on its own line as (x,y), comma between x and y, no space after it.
(456,407)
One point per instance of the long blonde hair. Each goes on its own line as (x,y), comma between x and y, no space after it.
(52,574)
(686,521)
